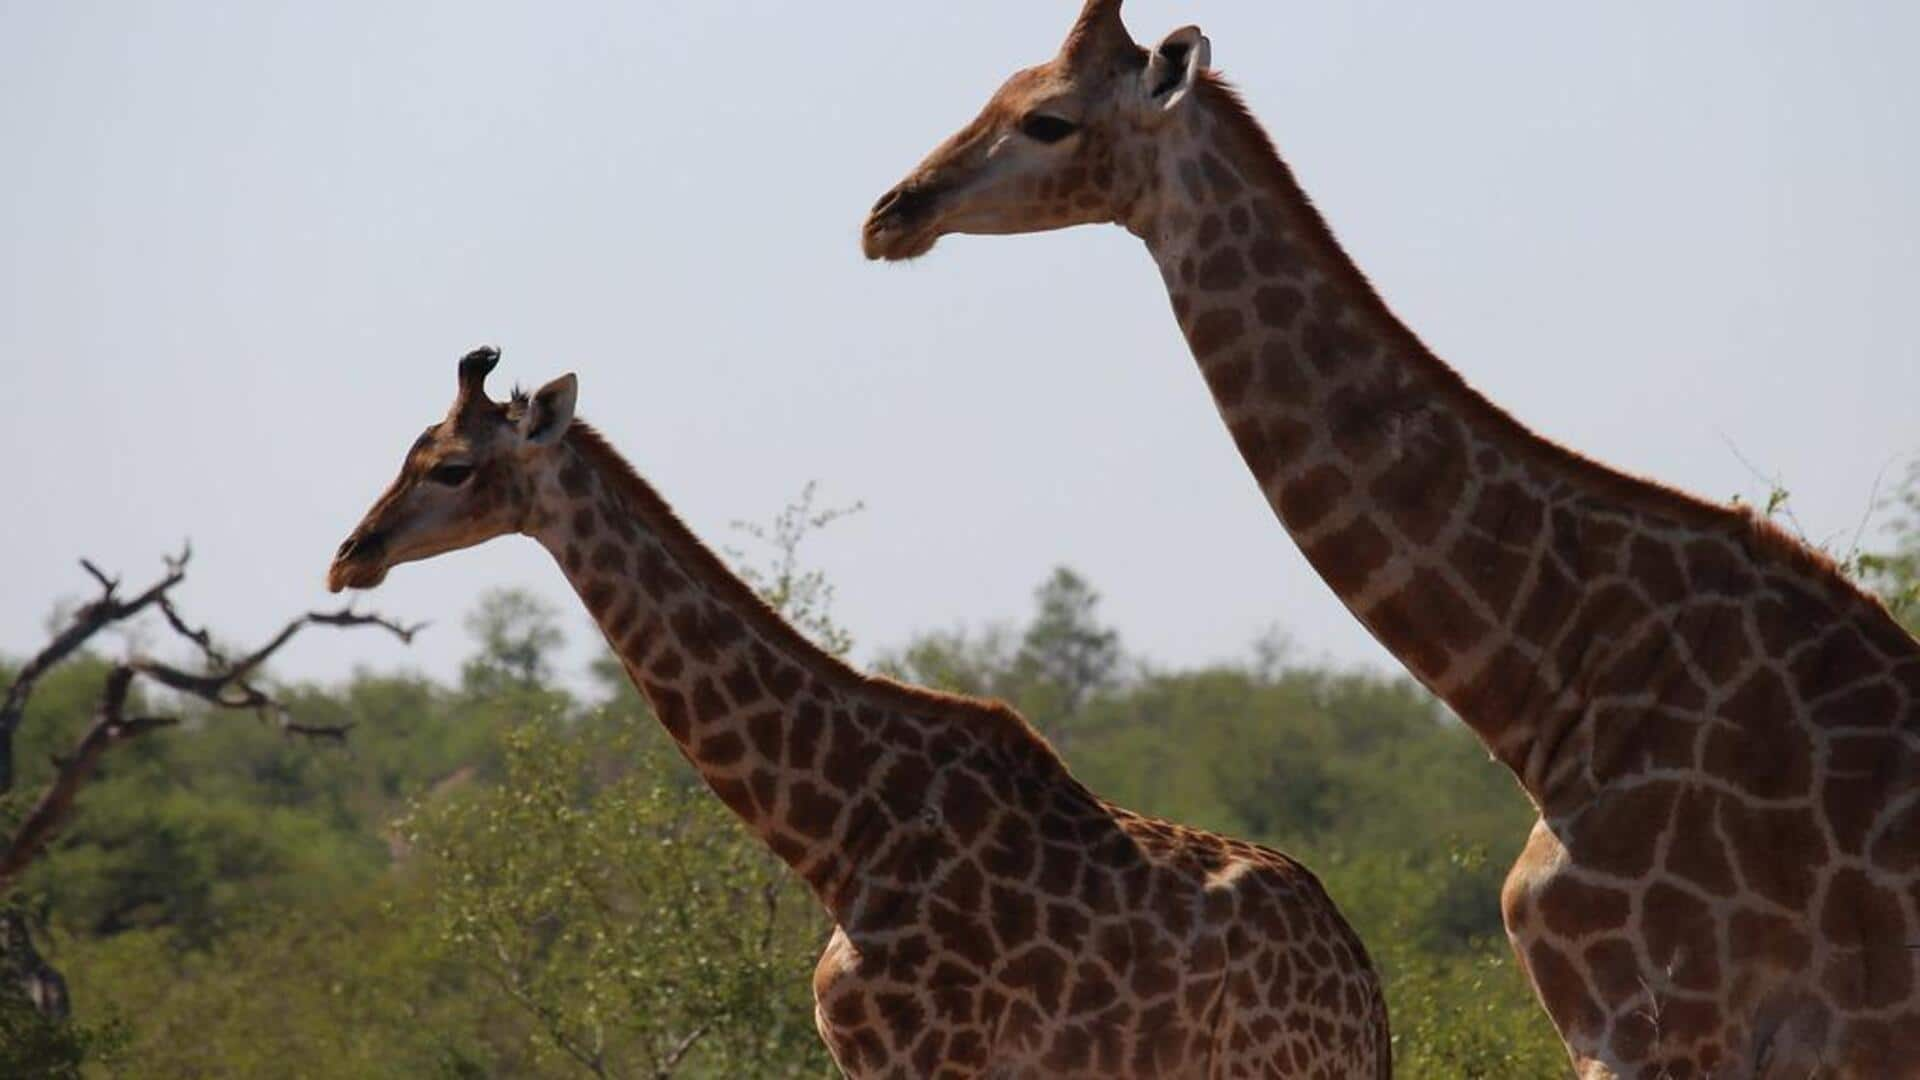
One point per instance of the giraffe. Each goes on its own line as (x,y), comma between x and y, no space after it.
(1718,731)
(992,916)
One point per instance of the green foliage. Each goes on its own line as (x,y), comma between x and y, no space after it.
(344,990)
(1051,668)
(1066,655)
(35,1047)
(623,909)
(500,880)
(803,595)
(1895,573)
(228,820)
(962,661)
(518,633)
(200,866)
(56,716)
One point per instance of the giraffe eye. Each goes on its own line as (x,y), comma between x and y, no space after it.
(452,474)
(1046,127)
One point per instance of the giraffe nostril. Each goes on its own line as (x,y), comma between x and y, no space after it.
(903,223)
(357,544)
(903,204)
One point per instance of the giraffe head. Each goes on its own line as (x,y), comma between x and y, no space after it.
(465,480)
(1069,142)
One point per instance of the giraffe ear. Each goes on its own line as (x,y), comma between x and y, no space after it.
(550,412)
(1175,67)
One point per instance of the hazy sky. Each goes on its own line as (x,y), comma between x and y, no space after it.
(242,245)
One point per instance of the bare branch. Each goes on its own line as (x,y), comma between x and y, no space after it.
(335,733)
(680,1051)
(104,611)
(200,637)
(345,618)
(348,617)
(224,685)
(107,584)
(1852,559)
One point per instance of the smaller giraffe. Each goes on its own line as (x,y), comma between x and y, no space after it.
(993,916)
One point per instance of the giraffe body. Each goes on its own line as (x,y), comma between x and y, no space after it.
(1222,962)
(1721,734)
(993,917)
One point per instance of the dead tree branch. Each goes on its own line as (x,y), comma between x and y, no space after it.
(225,683)
(110,726)
(104,611)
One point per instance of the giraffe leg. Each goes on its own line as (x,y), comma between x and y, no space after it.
(835,960)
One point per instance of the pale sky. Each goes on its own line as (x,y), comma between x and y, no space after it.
(242,245)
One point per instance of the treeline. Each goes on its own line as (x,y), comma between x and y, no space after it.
(502,878)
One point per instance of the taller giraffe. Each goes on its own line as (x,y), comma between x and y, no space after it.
(993,917)
(1718,730)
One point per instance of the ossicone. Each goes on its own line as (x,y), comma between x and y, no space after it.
(474,369)
(1099,30)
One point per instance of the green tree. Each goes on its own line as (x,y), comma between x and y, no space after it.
(34,1046)
(1066,655)
(623,910)
(802,594)
(1052,668)
(518,634)
(1895,573)
(960,661)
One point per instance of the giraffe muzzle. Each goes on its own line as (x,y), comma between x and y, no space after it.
(360,562)
(898,225)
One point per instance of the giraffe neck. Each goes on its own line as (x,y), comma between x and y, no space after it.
(1347,423)
(832,770)
(1498,568)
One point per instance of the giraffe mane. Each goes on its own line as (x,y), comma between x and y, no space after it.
(1003,722)
(1766,543)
